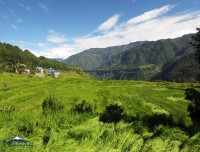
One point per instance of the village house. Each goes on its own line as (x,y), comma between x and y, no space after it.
(21,68)
(56,74)
(39,72)
(51,71)
(26,71)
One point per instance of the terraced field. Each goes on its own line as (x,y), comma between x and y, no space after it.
(159,118)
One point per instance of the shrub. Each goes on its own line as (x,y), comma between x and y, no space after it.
(1,68)
(156,119)
(194,107)
(138,127)
(52,104)
(26,129)
(83,107)
(112,113)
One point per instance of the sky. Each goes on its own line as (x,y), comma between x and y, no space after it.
(61,28)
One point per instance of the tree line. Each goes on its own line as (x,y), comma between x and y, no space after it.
(192,94)
(12,56)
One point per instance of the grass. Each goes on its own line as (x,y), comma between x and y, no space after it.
(146,66)
(67,131)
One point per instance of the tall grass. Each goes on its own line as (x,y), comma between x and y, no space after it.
(159,119)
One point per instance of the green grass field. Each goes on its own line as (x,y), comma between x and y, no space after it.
(21,114)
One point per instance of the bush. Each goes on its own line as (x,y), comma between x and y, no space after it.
(26,129)
(83,107)
(138,127)
(112,113)
(194,107)
(157,119)
(52,104)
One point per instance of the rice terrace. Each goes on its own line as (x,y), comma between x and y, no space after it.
(154,116)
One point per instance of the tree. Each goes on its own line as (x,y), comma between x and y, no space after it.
(196,44)
(52,104)
(83,107)
(194,107)
(190,93)
(21,68)
(112,113)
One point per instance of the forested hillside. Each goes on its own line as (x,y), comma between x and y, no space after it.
(164,59)
(11,56)
(185,69)
(94,58)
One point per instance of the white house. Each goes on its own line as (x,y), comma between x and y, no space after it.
(56,74)
(50,71)
(40,69)
(39,72)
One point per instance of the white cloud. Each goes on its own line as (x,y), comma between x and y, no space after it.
(48,50)
(152,25)
(41,44)
(24,45)
(60,51)
(45,8)
(19,20)
(24,6)
(55,37)
(4,16)
(108,24)
(150,15)
(13,26)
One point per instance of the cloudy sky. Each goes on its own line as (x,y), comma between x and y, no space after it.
(60,28)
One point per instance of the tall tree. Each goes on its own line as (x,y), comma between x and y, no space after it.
(190,93)
(196,44)
(194,107)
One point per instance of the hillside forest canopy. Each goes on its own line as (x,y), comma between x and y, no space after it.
(12,57)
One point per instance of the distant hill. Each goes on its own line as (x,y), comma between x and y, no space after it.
(58,59)
(153,60)
(11,56)
(94,58)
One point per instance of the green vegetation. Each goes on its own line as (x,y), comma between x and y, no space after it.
(152,116)
(112,113)
(196,44)
(52,105)
(12,58)
(146,66)
(192,94)
(168,60)
(81,108)
(194,107)
(94,58)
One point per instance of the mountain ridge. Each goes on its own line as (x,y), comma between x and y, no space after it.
(149,60)
(93,58)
